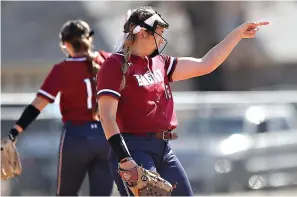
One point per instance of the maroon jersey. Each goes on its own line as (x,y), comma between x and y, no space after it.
(146,103)
(73,79)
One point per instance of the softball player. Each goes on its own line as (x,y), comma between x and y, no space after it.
(135,101)
(83,146)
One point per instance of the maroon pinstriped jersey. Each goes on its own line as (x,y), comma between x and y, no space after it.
(73,79)
(145,104)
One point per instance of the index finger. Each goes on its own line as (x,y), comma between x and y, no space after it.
(262,23)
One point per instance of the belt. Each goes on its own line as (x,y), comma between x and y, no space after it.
(165,135)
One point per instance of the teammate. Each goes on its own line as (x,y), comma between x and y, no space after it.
(135,101)
(83,146)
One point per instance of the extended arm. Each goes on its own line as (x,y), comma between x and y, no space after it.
(188,67)
(28,116)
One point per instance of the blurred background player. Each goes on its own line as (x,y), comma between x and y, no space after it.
(83,147)
(135,100)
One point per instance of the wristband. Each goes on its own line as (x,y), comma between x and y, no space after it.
(13,133)
(28,116)
(119,146)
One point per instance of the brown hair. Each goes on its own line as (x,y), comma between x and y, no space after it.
(93,70)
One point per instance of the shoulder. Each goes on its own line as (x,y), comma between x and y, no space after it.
(167,60)
(115,60)
(112,66)
(59,66)
(163,57)
(159,60)
(118,57)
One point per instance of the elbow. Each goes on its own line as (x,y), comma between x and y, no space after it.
(106,118)
(210,66)
(39,103)
(109,125)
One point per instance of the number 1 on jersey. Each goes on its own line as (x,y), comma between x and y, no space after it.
(89,92)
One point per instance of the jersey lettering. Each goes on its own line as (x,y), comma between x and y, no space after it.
(149,78)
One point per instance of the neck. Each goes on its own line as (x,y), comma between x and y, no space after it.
(79,54)
(138,50)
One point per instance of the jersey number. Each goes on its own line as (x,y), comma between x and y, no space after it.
(89,92)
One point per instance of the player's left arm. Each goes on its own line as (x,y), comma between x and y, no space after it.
(188,67)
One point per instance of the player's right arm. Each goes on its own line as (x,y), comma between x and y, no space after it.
(37,105)
(108,86)
(107,111)
(45,95)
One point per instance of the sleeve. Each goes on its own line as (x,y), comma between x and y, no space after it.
(51,85)
(170,65)
(109,79)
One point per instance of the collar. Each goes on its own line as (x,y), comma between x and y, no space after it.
(76,59)
(134,57)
